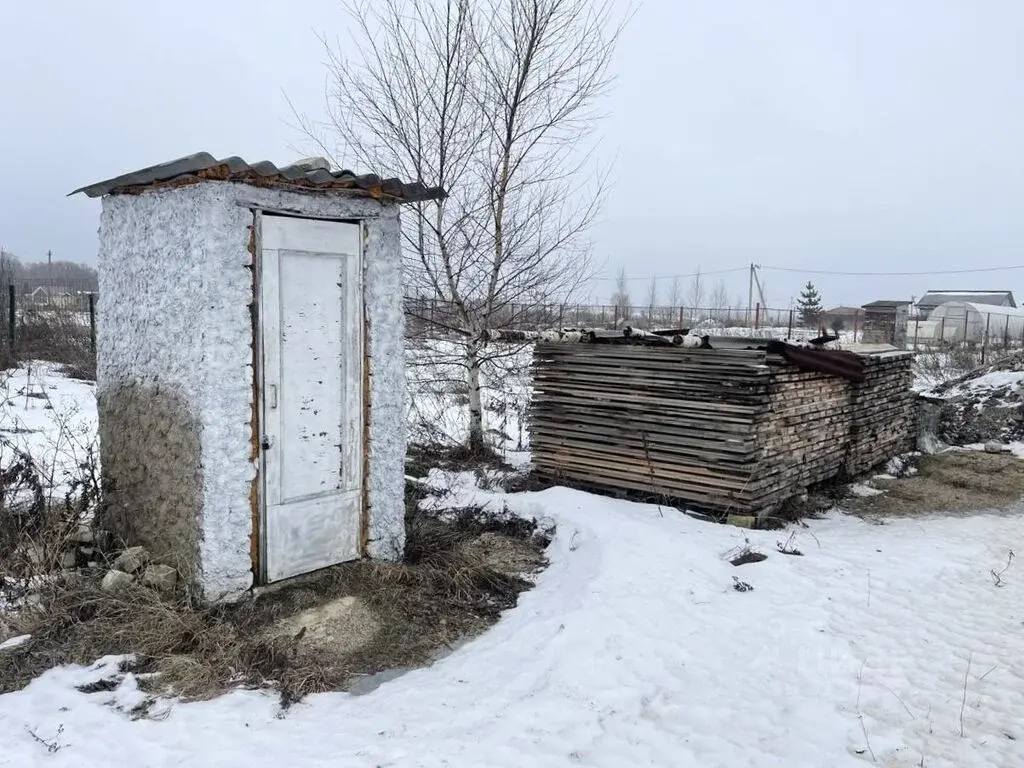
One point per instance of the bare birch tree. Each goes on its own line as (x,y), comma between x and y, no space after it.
(494,100)
(675,293)
(621,299)
(652,300)
(696,297)
(719,298)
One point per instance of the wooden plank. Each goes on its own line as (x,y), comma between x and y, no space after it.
(735,427)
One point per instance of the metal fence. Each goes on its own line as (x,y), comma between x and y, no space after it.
(48,320)
(40,315)
(983,333)
(425,312)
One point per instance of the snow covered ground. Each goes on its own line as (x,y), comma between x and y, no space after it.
(896,644)
(439,406)
(888,642)
(51,418)
(990,383)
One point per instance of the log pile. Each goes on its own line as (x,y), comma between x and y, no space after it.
(727,430)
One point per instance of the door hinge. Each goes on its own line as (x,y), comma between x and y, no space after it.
(272,396)
(265,443)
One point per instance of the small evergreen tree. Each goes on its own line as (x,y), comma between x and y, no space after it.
(809,304)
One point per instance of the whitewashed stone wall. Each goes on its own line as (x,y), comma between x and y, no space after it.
(175,376)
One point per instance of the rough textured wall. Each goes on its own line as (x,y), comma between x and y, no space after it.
(388,393)
(225,532)
(175,364)
(385,332)
(226,396)
(152,280)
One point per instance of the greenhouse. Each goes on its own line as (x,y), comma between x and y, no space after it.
(971,322)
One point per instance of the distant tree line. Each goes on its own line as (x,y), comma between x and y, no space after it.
(33,274)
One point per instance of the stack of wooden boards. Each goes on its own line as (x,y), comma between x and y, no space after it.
(727,430)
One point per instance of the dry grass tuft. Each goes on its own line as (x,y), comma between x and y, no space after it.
(448,588)
(58,336)
(957,482)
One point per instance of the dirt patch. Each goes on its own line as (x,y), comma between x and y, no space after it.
(342,625)
(504,554)
(326,633)
(956,482)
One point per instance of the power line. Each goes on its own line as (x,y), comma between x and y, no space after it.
(895,274)
(837,273)
(673,277)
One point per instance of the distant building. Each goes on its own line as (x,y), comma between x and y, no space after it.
(927,303)
(840,318)
(885,322)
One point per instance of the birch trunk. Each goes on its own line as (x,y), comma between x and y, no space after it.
(476,409)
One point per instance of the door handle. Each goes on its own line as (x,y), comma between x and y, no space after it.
(272,397)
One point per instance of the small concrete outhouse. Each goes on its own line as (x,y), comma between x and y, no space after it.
(250,367)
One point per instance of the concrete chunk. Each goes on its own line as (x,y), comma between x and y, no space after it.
(84,534)
(132,560)
(162,578)
(36,554)
(116,581)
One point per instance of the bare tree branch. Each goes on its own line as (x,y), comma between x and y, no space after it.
(496,101)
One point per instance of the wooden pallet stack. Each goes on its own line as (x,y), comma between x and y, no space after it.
(721,429)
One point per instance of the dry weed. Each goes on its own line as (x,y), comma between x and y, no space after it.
(957,482)
(446,590)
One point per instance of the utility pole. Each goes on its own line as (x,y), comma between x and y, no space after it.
(750,292)
(49,265)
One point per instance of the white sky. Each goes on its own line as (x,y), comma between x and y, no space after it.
(832,135)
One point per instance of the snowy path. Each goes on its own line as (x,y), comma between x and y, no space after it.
(634,649)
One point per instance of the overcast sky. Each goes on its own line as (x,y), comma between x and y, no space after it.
(861,136)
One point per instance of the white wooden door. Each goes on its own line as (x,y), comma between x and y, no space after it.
(311,314)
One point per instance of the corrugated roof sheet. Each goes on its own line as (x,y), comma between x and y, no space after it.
(886,304)
(313,173)
(831,362)
(934,298)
